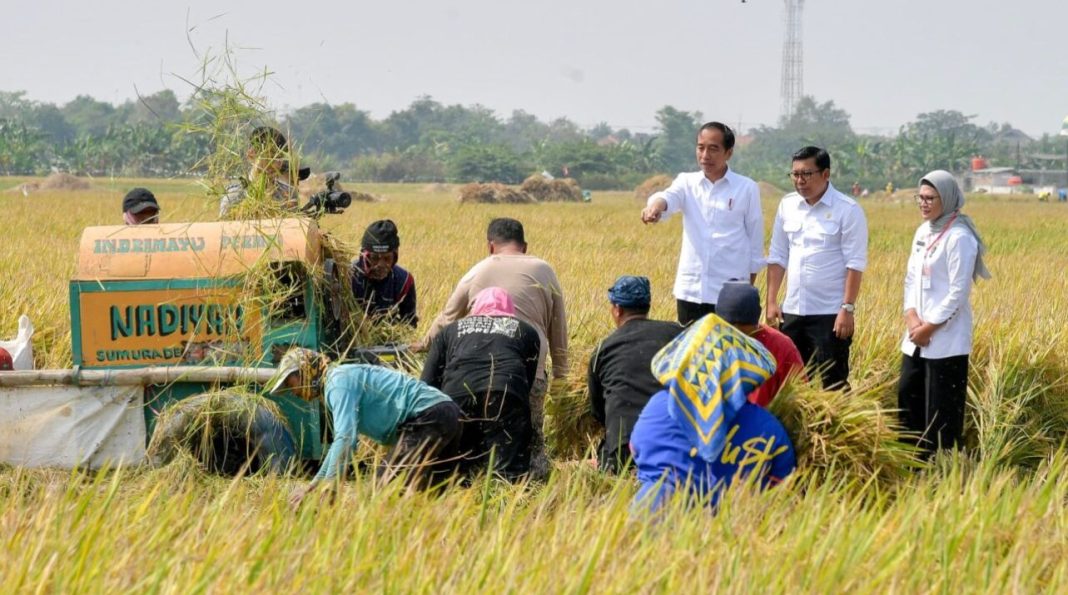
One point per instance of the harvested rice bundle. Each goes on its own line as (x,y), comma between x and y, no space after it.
(558,190)
(493,193)
(651,186)
(570,429)
(222,430)
(565,190)
(845,434)
(537,186)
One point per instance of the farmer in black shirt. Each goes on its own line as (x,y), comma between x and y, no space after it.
(620,380)
(382,288)
(487,363)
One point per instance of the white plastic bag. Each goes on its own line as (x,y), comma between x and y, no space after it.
(21,348)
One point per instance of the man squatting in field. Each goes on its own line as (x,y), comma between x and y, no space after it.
(384,289)
(619,378)
(700,433)
(739,304)
(420,422)
(538,299)
(722,224)
(487,362)
(819,242)
(271,173)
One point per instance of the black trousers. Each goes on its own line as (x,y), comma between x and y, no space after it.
(619,461)
(428,446)
(824,353)
(691,311)
(931,396)
(497,427)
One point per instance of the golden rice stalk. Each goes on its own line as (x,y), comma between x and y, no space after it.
(197,426)
(845,434)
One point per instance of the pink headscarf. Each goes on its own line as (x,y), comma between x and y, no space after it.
(493,301)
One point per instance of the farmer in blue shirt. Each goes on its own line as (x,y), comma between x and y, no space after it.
(700,433)
(419,421)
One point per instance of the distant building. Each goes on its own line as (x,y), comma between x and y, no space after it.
(1011,180)
(995,180)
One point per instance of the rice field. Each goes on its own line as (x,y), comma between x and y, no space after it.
(992,519)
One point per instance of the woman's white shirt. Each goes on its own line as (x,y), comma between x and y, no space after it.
(938,285)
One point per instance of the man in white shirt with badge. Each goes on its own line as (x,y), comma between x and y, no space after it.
(722,224)
(819,242)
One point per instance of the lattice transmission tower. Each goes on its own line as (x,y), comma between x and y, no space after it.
(793,63)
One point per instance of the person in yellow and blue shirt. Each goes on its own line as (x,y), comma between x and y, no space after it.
(700,433)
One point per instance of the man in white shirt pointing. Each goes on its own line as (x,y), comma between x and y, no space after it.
(722,225)
(819,242)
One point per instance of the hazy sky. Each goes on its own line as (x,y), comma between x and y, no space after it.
(590,60)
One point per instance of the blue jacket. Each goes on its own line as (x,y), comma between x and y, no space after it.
(756,443)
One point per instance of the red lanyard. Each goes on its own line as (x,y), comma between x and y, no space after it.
(945,228)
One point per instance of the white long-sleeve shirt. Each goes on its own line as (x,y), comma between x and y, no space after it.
(722,232)
(945,297)
(816,244)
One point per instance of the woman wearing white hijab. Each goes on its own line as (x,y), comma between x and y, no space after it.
(947,256)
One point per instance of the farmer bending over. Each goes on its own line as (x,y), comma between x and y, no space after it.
(700,433)
(487,362)
(420,422)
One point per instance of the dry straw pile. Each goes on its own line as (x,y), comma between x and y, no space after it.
(218,429)
(557,190)
(651,186)
(493,193)
(57,182)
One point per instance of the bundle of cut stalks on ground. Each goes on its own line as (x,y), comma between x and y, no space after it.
(651,186)
(845,434)
(557,190)
(493,193)
(570,429)
(220,430)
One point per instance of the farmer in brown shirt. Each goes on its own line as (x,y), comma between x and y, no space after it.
(538,300)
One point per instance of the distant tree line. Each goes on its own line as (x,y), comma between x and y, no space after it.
(432,142)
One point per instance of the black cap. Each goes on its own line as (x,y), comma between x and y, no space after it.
(738,303)
(138,200)
(381,236)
